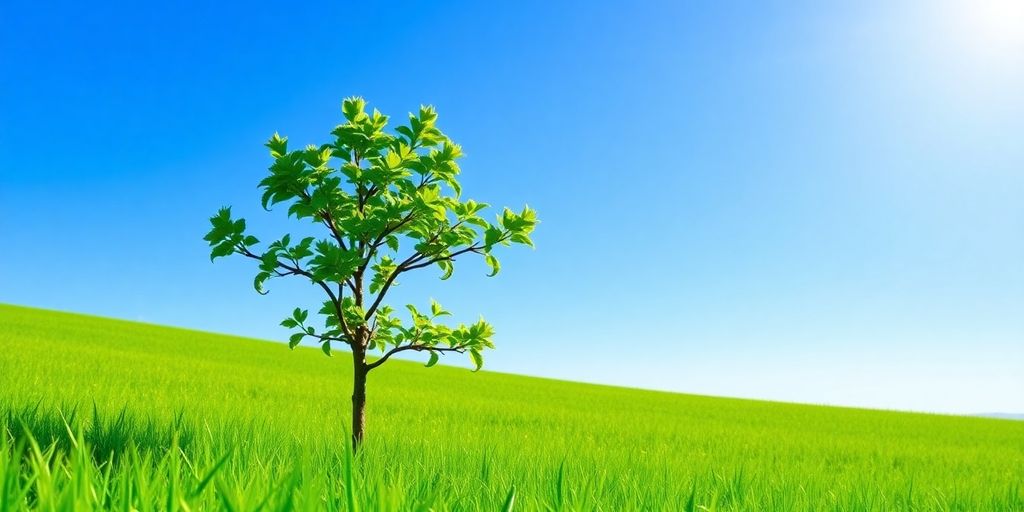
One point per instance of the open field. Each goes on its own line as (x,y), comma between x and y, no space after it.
(169,418)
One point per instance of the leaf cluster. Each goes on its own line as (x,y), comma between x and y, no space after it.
(389,202)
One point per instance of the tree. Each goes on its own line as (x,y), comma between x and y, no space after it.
(373,193)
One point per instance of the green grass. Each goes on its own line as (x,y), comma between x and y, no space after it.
(99,413)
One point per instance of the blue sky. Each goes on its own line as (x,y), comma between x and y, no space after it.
(815,202)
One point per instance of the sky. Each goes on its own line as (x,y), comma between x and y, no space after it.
(802,201)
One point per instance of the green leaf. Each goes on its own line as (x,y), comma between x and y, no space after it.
(529,216)
(354,314)
(413,311)
(433,359)
(520,238)
(477,221)
(492,235)
(508,218)
(326,347)
(447,267)
(224,249)
(436,309)
(278,145)
(494,264)
(352,108)
(268,262)
(295,339)
(478,359)
(332,263)
(258,282)
(289,323)
(404,130)
(221,226)
(392,242)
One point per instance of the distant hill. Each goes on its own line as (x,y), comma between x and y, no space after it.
(1002,415)
(265,428)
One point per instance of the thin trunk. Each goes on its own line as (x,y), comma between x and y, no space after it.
(358,398)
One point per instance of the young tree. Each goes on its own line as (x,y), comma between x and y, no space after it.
(389,203)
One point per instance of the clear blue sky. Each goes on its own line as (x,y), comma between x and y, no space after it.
(810,202)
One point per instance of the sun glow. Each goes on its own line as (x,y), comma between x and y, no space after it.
(989,29)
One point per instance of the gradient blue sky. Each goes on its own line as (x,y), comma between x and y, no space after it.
(804,201)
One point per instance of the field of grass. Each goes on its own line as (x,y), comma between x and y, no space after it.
(126,415)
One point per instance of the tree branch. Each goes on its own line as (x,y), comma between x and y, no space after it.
(416,347)
(329,222)
(330,293)
(324,338)
(373,246)
(414,262)
(380,239)
(387,284)
(473,248)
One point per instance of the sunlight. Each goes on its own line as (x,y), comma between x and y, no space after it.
(989,29)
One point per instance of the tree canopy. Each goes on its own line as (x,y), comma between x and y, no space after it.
(389,203)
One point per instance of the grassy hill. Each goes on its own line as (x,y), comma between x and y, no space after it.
(170,418)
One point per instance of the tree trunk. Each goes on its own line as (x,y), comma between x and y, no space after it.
(358,398)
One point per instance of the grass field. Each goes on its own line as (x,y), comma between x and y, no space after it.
(164,418)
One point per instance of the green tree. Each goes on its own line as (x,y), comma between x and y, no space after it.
(389,203)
